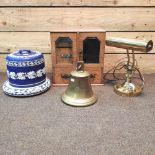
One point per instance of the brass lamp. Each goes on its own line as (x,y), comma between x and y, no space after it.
(128,87)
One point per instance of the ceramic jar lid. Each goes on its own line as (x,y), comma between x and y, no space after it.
(26,74)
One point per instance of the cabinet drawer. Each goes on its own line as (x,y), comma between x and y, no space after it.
(96,74)
(60,74)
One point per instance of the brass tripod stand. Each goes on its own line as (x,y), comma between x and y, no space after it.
(127,88)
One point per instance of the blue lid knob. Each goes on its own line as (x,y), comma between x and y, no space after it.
(25,52)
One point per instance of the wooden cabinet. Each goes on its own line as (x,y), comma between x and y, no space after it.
(68,47)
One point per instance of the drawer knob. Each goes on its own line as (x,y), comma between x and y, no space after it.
(65,76)
(92,76)
(66,56)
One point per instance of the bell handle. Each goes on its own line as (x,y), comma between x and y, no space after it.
(65,76)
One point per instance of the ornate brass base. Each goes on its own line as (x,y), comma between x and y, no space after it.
(128,89)
(79,102)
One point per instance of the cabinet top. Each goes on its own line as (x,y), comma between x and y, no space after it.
(79,30)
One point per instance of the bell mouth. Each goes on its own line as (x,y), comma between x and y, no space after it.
(24,92)
(83,102)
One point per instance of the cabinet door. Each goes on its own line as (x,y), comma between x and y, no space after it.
(64,48)
(92,47)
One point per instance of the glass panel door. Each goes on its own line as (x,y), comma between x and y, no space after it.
(91,50)
(64,51)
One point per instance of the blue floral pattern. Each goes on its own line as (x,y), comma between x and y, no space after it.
(13,91)
(29,75)
(25,63)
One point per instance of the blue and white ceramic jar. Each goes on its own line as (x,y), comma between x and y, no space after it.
(26,74)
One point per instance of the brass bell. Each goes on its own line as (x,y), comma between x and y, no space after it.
(79,91)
